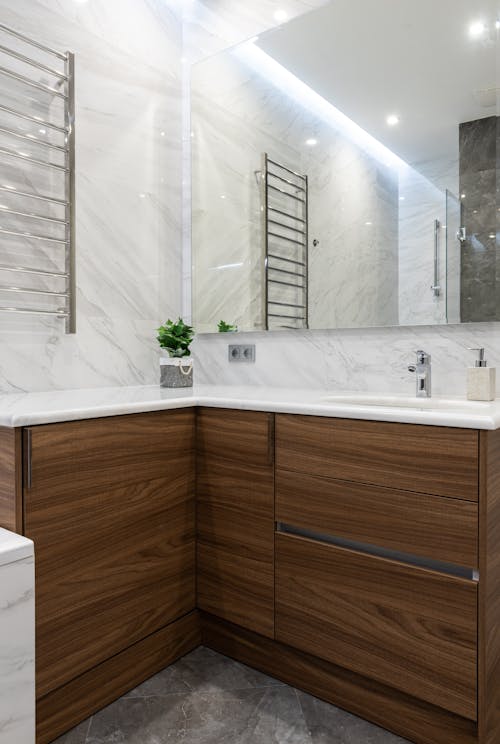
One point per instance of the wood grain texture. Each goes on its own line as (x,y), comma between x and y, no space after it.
(62,709)
(237,436)
(96,454)
(10,479)
(235,517)
(113,564)
(434,527)
(406,716)
(489,589)
(425,459)
(406,627)
(117,567)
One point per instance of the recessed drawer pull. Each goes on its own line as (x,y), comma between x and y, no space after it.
(451,569)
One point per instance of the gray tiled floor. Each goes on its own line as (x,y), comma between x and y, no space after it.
(206,698)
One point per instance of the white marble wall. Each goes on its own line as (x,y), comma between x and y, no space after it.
(17,643)
(370,360)
(128,195)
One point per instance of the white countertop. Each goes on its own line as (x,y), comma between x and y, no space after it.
(27,409)
(14,547)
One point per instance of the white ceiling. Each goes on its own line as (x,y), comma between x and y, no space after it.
(414,58)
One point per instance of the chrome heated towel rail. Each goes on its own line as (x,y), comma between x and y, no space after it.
(37,179)
(285,232)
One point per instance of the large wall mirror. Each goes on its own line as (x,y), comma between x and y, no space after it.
(345,170)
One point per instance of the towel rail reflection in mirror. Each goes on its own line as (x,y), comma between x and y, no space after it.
(285,234)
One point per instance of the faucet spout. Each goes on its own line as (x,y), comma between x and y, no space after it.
(422,371)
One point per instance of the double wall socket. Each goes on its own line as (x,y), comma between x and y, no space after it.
(241,352)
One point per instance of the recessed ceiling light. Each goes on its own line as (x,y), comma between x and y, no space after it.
(368,223)
(142,196)
(162,134)
(42,131)
(497,24)
(222,196)
(280,16)
(402,198)
(392,120)
(311,142)
(477,29)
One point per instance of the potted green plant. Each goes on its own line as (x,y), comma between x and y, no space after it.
(176,369)
(224,327)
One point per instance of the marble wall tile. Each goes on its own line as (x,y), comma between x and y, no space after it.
(369,360)
(17,652)
(128,195)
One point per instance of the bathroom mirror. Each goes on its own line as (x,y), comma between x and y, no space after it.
(344,170)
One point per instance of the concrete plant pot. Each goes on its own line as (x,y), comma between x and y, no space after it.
(176,372)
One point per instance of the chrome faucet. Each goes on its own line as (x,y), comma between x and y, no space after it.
(422,371)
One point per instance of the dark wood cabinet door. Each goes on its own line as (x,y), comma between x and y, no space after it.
(410,628)
(111,511)
(235,517)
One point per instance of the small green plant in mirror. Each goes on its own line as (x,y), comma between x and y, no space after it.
(224,327)
(175,338)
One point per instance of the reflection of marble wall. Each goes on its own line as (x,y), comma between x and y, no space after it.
(421,203)
(480,287)
(128,91)
(353,277)
(237,115)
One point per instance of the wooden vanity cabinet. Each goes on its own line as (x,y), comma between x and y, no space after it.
(110,506)
(235,517)
(357,560)
(375,524)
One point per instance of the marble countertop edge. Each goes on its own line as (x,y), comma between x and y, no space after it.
(31,409)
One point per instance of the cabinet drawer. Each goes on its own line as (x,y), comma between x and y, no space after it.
(426,459)
(410,628)
(434,527)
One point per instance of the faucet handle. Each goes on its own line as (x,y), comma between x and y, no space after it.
(422,356)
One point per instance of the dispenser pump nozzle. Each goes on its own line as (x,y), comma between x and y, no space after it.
(481,361)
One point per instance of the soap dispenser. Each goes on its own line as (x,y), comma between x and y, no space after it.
(481,379)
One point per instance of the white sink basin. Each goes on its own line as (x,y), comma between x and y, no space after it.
(457,405)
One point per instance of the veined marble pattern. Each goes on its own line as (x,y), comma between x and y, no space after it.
(363,360)
(421,204)
(353,271)
(207,698)
(128,187)
(237,115)
(17,648)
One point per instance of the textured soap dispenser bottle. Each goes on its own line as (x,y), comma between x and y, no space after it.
(481,379)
